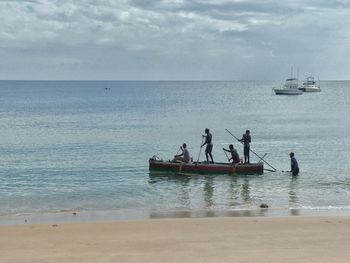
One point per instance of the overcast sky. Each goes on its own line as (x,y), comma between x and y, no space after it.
(174,39)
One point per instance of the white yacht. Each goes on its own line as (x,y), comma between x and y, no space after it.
(290,87)
(310,85)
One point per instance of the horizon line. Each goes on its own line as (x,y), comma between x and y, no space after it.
(159,80)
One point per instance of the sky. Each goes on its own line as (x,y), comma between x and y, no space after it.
(174,39)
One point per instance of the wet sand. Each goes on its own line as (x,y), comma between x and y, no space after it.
(248,239)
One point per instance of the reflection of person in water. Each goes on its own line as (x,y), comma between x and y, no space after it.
(209,192)
(293,198)
(245,192)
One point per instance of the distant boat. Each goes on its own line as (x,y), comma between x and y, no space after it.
(290,87)
(310,85)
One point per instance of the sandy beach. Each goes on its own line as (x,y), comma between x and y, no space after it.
(253,239)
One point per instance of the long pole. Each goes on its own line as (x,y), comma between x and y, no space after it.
(178,151)
(261,158)
(200,149)
(228,159)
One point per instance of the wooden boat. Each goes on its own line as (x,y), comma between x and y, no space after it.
(205,168)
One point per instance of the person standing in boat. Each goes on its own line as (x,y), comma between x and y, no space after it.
(294,167)
(184,156)
(246,139)
(208,141)
(234,154)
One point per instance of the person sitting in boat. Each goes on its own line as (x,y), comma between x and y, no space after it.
(234,154)
(246,139)
(208,141)
(184,156)
(294,167)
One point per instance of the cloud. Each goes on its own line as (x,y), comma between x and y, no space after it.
(170,39)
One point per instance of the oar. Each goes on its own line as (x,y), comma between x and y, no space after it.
(200,150)
(228,159)
(178,151)
(269,170)
(262,157)
(252,150)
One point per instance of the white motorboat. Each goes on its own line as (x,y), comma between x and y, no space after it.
(310,85)
(291,87)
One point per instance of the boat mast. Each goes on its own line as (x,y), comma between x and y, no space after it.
(298,74)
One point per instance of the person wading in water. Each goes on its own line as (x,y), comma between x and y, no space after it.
(294,167)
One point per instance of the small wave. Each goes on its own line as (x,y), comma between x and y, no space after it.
(326,207)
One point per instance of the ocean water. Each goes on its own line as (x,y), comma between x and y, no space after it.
(83,146)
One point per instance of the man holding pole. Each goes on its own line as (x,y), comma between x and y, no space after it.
(248,148)
(184,156)
(208,141)
(234,154)
(246,139)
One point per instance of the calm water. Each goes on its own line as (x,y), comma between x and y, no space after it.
(76,146)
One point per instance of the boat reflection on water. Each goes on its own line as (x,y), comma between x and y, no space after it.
(217,196)
(207,213)
(205,196)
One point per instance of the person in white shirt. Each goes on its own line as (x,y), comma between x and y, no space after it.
(184,156)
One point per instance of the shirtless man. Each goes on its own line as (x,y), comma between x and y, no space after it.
(246,139)
(234,154)
(208,141)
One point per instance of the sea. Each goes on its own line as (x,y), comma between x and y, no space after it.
(79,150)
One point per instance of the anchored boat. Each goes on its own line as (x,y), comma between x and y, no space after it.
(204,167)
(310,85)
(290,87)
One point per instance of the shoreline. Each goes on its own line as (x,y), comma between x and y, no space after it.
(235,239)
(67,217)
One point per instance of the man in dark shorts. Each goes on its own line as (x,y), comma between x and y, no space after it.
(246,139)
(208,141)
(294,167)
(234,154)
